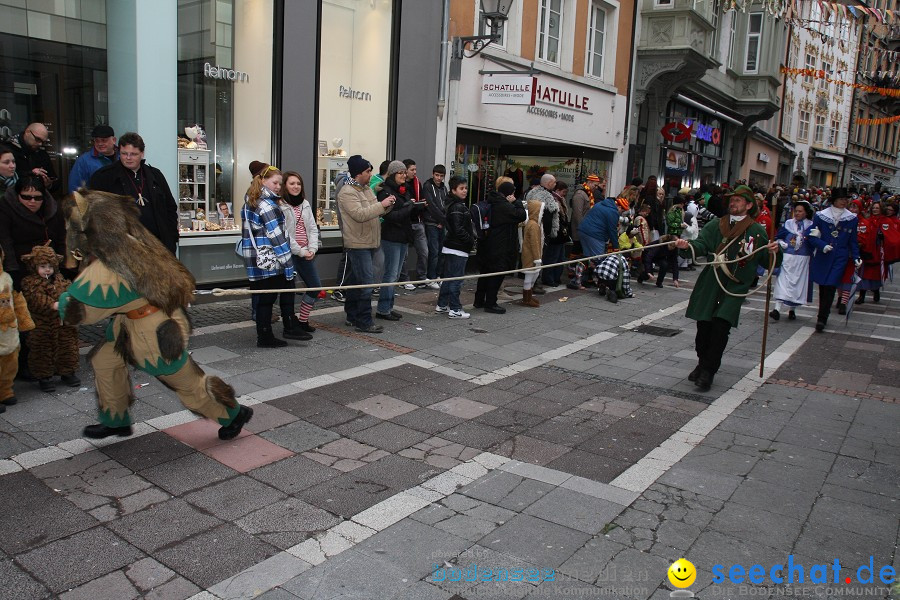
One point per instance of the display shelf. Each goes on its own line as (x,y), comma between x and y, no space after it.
(194,198)
(328,169)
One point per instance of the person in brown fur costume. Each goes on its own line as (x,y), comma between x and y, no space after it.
(131,277)
(53,346)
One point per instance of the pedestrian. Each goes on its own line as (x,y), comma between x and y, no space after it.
(8,175)
(132,176)
(792,284)
(53,346)
(361,233)
(599,228)
(716,312)
(833,236)
(582,201)
(103,152)
(532,245)
(458,243)
(668,257)
(435,223)
(420,241)
(303,233)
(499,249)
(14,319)
(653,196)
(397,232)
(267,254)
(379,177)
(555,246)
(32,158)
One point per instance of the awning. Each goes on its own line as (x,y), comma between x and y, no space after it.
(857,177)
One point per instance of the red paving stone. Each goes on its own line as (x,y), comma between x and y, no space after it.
(247,453)
(200,434)
(831,390)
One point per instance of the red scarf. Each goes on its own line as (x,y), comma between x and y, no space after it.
(590,194)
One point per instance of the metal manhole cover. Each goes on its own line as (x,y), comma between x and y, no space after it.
(658,331)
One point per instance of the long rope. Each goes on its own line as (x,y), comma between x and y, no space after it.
(718,260)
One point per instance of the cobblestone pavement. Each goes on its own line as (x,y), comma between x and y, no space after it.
(560,450)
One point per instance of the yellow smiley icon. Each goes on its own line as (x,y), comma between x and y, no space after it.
(682,573)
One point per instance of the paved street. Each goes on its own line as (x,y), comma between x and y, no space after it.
(562,446)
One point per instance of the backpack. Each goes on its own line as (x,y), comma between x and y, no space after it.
(481,218)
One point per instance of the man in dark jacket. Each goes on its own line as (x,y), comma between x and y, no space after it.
(499,250)
(132,176)
(31,158)
(435,223)
(458,243)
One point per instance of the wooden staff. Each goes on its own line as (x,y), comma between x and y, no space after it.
(762,358)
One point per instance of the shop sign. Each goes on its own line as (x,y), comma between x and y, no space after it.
(763,157)
(346,92)
(216,72)
(708,133)
(547,94)
(677,132)
(551,114)
(508,89)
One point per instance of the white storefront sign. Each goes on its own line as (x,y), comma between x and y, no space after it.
(508,89)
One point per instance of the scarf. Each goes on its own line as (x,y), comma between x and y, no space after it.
(590,194)
(731,232)
(8,182)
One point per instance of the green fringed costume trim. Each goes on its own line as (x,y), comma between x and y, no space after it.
(81,291)
(232,413)
(165,368)
(106,417)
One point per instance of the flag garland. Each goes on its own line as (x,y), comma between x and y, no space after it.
(820,74)
(881,121)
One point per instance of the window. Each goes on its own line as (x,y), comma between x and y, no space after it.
(731,29)
(803,134)
(810,65)
(663,3)
(815,16)
(714,38)
(823,83)
(833,133)
(754,34)
(596,41)
(485,29)
(788,122)
(819,135)
(859,127)
(550,26)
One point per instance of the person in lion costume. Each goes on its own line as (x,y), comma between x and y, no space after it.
(129,276)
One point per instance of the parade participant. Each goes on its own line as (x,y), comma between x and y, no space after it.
(532,244)
(792,285)
(833,236)
(142,287)
(736,236)
(14,319)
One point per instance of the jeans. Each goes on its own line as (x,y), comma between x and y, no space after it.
(436,259)
(592,246)
(343,269)
(420,243)
(265,302)
(553,253)
(394,259)
(306,270)
(358,303)
(454,266)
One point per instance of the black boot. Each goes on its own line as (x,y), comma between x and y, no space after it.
(100,431)
(842,309)
(305,326)
(876,296)
(692,376)
(704,380)
(293,330)
(232,430)
(266,339)
(775,314)
(792,315)
(862,297)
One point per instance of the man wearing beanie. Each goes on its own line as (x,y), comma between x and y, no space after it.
(833,236)
(361,230)
(736,236)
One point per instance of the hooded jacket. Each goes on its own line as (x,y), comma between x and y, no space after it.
(533,239)
(436,197)
(460,231)
(21,230)
(14,316)
(602,222)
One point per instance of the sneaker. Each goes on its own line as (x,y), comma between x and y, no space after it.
(458,314)
(409,287)
(338,296)
(370,328)
(496,309)
(441,309)
(433,285)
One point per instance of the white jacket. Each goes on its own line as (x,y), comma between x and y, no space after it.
(290,227)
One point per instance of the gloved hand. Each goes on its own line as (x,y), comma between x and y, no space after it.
(858,262)
(538,262)
(814,232)
(783,244)
(827,249)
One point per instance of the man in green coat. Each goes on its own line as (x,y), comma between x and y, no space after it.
(735,236)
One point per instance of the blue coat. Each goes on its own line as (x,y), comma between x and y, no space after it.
(86,165)
(828,269)
(602,222)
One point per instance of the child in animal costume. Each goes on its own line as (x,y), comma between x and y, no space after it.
(14,319)
(53,346)
(136,282)
(532,251)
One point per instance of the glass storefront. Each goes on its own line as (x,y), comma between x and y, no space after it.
(698,159)
(354,102)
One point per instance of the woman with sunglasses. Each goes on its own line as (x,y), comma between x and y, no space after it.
(29,217)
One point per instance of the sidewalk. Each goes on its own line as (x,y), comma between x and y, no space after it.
(561,439)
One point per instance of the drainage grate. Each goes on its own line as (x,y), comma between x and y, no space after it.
(657,331)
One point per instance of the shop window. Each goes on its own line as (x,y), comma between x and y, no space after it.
(803,133)
(354,78)
(596,41)
(754,38)
(819,134)
(550,26)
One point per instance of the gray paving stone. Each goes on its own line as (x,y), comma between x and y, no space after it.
(809,438)
(114,586)
(856,517)
(350,575)
(177,589)
(277,594)
(714,547)
(147,451)
(91,479)
(512,421)
(428,421)
(791,502)
(75,560)
(188,473)
(299,436)
(639,572)
(565,430)
(40,515)
(234,498)
(162,524)
(506,490)
(717,485)
(492,395)
(248,583)
(346,495)
(530,450)
(476,435)
(753,427)
(591,560)
(396,472)
(575,510)
(785,475)
(389,436)
(590,466)
(286,523)
(627,440)
(19,584)
(210,354)
(147,574)
(569,589)
(414,547)
(824,543)
(757,525)
(535,541)
(293,474)
(724,461)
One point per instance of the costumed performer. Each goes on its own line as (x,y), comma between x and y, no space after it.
(792,284)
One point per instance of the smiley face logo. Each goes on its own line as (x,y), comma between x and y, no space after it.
(682,573)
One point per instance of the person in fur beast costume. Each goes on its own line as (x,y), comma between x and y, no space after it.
(131,278)
(53,346)
(14,318)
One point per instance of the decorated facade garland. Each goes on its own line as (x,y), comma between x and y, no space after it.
(882,121)
(820,74)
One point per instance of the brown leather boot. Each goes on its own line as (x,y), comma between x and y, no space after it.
(529,300)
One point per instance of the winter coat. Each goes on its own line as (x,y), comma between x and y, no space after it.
(533,238)
(551,207)
(840,233)
(499,250)
(21,230)
(41,293)
(460,233)
(162,217)
(14,316)
(290,228)
(27,160)
(266,224)
(87,164)
(436,197)
(359,216)
(582,202)
(397,225)
(602,222)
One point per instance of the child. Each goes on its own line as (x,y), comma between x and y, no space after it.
(53,346)
(532,251)
(14,319)
(459,239)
